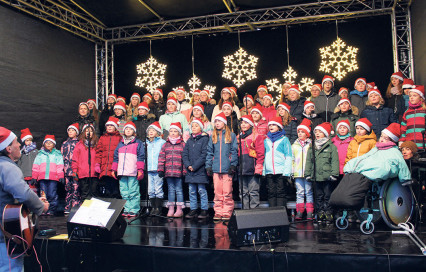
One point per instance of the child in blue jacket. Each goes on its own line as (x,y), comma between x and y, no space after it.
(277,166)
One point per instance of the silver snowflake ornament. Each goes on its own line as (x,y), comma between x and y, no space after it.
(240,67)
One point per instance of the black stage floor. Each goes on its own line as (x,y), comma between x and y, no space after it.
(157,244)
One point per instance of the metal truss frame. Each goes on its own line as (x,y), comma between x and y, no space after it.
(68,15)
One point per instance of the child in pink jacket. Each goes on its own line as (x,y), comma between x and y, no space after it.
(341,141)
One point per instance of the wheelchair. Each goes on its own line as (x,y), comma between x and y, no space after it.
(389,201)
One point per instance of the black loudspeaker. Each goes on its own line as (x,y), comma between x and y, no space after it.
(112,231)
(259,226)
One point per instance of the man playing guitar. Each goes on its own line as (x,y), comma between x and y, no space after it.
(13,187)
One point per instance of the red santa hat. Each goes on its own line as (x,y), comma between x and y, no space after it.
(130,125)
(170,94)
(398,75)
(227,104)
(305,125)
(327,78)
(364,123)
(74,126)
(143,106)
(268,96)
(49,138)
(262,88)
(287,83)
(120,98)
(83,103)
(393,131)
(159,91)
(308,104)
(248,119)
(375,91)
(221,117)
(136,95)
(196,92)
(248,97)
(371,84)
(113,96)
(172,100)
(257,108)
(176,126)
(207,92)
(200,107)
(26,134)
(233,91)
(363,80)
(227,90)
(343,100)
(343,89)
(6,137)
(120,105)
(295,88)
(181,90)
(420,90)
(92,101)
(285,106)
(156,126)
(147,95)
(317,86)
(198,121)
(408,83)
(276,120)
(87,126)
(344,123)
(324,128)
(113,121)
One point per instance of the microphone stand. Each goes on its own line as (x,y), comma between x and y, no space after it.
(240,158)
(90,163)
(314,163)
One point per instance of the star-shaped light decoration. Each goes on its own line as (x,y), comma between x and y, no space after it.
(305,84)
(338,59)
(274,88)
(290,75)
(211,89)
(194,82)
(240,67)
(151,74)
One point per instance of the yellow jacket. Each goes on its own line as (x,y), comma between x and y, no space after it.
(360,145)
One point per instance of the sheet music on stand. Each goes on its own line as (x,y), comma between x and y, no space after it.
(93,212)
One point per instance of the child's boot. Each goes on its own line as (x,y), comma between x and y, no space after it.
(171,209)
(159,205)
(310,211)
(179,212)
(300,208)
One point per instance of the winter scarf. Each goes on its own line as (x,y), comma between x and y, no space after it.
(305,142)
(384,146)
(195,135)
(28,148)
(342,137)
(86,143)
(362,94)
(247,133)
(395,91)
(276,135)
(173,140)
(415,106)
(127,140)
(320,142)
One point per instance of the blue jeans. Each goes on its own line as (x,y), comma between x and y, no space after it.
(49,188)
(17,265)
(129,189)
(155,185)
(193,196)
(303,188)
(175,190)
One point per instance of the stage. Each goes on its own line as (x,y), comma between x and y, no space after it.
(157,244)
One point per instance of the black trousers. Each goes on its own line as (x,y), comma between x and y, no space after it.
(111,187)
(88,187)
(323,190)
(277,190)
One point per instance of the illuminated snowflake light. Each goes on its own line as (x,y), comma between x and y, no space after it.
(194,82)
(274,88)
(290,75)
(211,89)
(305,84)
(240,67)
(338,59)
(151,74)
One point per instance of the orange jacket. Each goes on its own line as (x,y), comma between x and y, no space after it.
(360,145)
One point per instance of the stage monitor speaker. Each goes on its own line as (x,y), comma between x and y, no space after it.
(262,226)
(112,231)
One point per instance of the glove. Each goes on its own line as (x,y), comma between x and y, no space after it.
(97,168)
(33,181)
(161,174)
(332,178)
(209,172)
(308,178)
(232,170)
(74,176)
(290,181)
(140,175)
(257,175)
(114,174)
(62,180)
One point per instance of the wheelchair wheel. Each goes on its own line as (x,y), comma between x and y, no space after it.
(396,203)
(342,225)
(366,230)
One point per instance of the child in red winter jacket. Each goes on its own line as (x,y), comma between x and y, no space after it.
(170,166)
(105,156)
(83,162)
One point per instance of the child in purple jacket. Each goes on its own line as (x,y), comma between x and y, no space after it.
(170,165)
